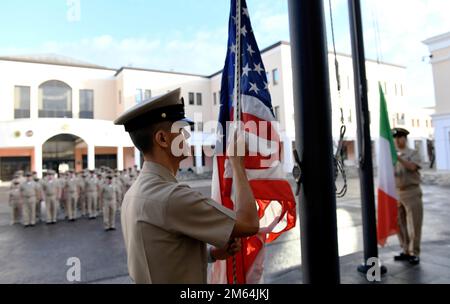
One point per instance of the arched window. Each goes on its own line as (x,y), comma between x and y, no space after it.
(55,99)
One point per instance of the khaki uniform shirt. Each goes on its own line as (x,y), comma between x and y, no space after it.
(71,187)
(14,195)
(28,189)
(166,226)
(404,178)
(108,192)
(50,187)
(91,185)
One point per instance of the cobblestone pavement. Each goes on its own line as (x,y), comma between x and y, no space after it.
(39,254)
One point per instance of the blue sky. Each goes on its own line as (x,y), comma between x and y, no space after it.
(191,35)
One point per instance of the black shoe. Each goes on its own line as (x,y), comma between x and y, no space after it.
(414,260)
(32,225)
(402,257)
(48,223)
(112,228)
(26,226)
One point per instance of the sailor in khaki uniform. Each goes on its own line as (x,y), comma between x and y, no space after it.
(40,196)
(61,181)
(100,182)
(71,191)
(92,195)
(28,194)
(82,195)
(108,194)
(166,225)
(52,193)
(118,183)
(14,200)
(410,210)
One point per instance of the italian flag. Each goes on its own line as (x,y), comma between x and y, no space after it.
(387,198)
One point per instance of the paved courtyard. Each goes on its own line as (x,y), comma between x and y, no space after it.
(40,254)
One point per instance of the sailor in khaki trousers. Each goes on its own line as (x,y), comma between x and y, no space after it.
(108,195)
(71,190)
(51,191)
(61,181)
(410,210)
(82,196)
(100,182)
(119,187)
(40,196)
(92,195)
(28,193)
(15,201)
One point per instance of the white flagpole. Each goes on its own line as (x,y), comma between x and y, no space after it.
(237,95)
(237,66)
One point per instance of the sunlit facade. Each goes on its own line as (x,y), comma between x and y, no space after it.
(58,113)
(439,47)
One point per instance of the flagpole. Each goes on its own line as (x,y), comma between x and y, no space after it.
(237,67)
(312,109)
(237,97)
(364,139)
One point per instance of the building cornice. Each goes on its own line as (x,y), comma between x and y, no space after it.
(86,66)
(438,42)
(118,71)
(158,71)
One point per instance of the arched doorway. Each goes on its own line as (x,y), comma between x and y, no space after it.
(59,153)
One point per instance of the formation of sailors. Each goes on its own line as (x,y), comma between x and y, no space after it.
(85,194)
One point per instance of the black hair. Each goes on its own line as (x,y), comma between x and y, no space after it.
(143,138)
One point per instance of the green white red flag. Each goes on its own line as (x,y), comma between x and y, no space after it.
(387,197)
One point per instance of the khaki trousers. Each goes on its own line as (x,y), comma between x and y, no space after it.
(71,207)
(51,205)
(29,210)
(410,218)
(15,212)
(92,204)
(82,204)
(38,210)
(109,214)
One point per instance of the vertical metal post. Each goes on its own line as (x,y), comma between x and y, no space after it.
(312,105)
(364,139)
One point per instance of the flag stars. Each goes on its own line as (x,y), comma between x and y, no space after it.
(245,12)
(245,70)
(233,48)
(266,86)
(253,88)
(258,68)
(250,50)
(244,31)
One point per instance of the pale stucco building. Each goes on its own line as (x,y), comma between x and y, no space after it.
(57,110)
(439,47)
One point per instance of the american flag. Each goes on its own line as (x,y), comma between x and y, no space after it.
(250,103)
